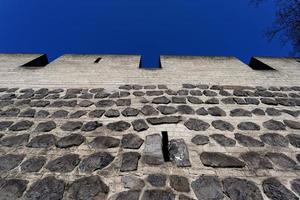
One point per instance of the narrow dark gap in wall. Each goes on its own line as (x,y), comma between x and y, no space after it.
(165,144)
(150,62)
(259,65)
(97,60)
(41,61)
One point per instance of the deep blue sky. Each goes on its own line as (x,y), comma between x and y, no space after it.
(147,27)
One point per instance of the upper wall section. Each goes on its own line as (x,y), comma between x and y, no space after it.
(110,70)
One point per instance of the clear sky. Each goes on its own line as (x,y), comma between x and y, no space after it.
(146,27)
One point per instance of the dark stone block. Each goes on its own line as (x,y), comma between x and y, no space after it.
(256,161)
(216,111)
(28,113)
(294,140)
(42,114)
(60,114)
(161,100)
(33,164)
(118,126)
(228,100)
(123,102)
(223,140)
(154,92)
(96,90)
(248,126)
(248,141)
(200,140)
(269,101)
(95,161)
(130,112)
(240,101)
(283,161)
(210,93)
(90,126)
(12,188)
(239,112)
(224,93)
(179,183)
(15,141)
(70,141)
(10,161)
(21,126)
(196,124)
(104,103)
(238,189)
(292,124)
(111,113)
(96,113)
(252,101)
(138,93)
(71,126)
(46,188)
(215,159)
(182,92)
(274,125)
(201,111)
(45,126)
(258,111)
(203,86)
(222,125)
(42,141)
(196,92)
(212,101)
(63,164)
(101,95)
(188,86)
(11,112)
(125,87)
(39,103)
(179,153)
(104,142)
(291,112)
(208,187)
(78,114)
(85,103)
(153,154)
(194,100)
(274,139)
(275,190)
(170,92)
(167,110)
(273,112)
(286,101)
(139,125)
(157,180)
(148,110)
(185,109)
(5,124)
(179,100)
(240,93)
(130,161)
(158,194)
(295,185)
(164,120)
(131,141)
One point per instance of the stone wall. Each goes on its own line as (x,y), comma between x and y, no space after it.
(72,130)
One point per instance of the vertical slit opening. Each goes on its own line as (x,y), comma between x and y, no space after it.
(97,60)
(165,144)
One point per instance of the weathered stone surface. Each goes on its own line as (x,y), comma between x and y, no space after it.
(228,100)
(248,141)
(207,188)
(125,87)
(138,93)
(210,93)
(154,92)
(185,109)
(132,182)
(201,111)
(63,164)
(252,101)
(42,141)
(194,100)
(215,159)
(96,113)
(70,141)
(46,188)
(179,153)
(224,93)
(179,100)
(39,103)
(222,125)
(182,92)
(60,114)
(128,195)
(33,164)
(258,111)
(104,103)
(158,194)
(130,112)
(248,126)
(112,113)
(11,112)
(269,101)
(179,183)
(71,126)
(157,180)
(285,101)
(184,197)
(85,103)
(292,124)
(240,93)
(167,110)
(223,140)
(196,124)
(118,126)
(28,113)
(216,111)
(10,161)
(196,92)
(200,140)
(78,114)
(274,139)
(274,125)
(45,126)
(21,125)
(153,150)
(15,141)
(90,126)
(95,161)
(148,110)
(161,100)
(88,188)
(139,125)
(239,112)
(291,112)
(131,141)
(294,140)
(5,124)
(101,95)
(104,142)
(123,102)
(295,185)
(164,120)
(12,189)
(255,160)
(170,92)
(275,190)
(238,189)
(42,114)
(130,161)
(283,161)
(212,101)
(273,112)
(188,86)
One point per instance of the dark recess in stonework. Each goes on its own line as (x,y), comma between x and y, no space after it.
(258,65)
(156,65)
(41,61)
(165,144)
(97,60)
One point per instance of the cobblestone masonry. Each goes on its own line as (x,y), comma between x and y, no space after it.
(149,141)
